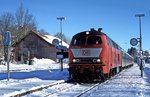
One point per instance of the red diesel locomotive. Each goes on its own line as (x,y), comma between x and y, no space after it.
(93,55)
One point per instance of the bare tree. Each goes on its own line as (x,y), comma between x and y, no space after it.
(64,38)
(18,24)
(43,32)
(24,21)
(6,24)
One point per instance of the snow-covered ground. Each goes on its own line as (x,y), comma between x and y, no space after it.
(128,83)
(44,72)
(24,77)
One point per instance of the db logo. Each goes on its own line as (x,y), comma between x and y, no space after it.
(85,52)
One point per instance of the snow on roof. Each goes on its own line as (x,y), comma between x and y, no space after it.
(50,39)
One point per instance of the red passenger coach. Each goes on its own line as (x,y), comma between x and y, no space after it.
(93,55)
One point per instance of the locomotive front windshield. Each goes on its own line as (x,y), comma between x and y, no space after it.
(90,40)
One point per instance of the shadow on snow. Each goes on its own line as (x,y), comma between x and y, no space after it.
(54,74)
(147,73)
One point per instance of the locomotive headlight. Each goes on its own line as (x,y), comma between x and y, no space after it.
(87,33)
(98,60)
(74,60)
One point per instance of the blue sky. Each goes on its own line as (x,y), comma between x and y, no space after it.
(116,17)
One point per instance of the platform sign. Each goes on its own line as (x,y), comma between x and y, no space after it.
(133,41)
(7,43)
(60,47)
(7,39)
(62,54)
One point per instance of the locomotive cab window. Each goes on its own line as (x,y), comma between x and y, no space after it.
(80,40)
(94,40)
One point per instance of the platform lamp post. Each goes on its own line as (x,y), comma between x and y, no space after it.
(140,40)
(61,19)
(61,59)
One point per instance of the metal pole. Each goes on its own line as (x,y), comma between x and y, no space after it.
(61,18)
(61,30)
(140,33)
(140,41)
(8,73)
(61,60)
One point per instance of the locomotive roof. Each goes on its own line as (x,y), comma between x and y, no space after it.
(91,32)
(99,32)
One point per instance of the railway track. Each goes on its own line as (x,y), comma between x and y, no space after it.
(25,93)
(67,89)
(51,91)
(64,89)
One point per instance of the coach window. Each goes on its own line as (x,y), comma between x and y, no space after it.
(94,40)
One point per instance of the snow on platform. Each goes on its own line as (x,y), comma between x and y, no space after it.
(129,83)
